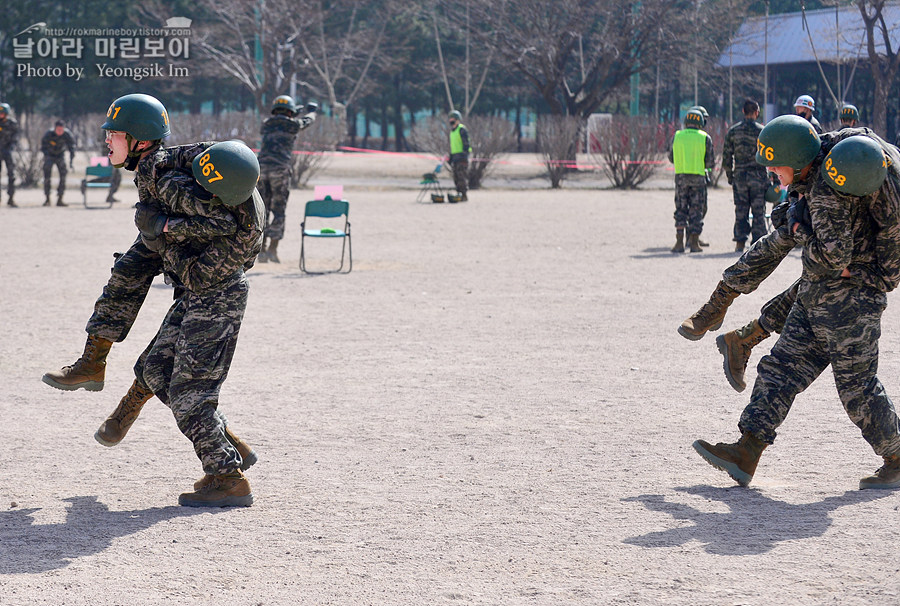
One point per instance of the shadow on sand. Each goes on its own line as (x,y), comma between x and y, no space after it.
(90,528)
(754,524)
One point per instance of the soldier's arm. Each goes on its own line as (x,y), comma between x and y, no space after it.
(306,120)
(828,245)
(728,154)
(191,216)
(45,142)
(672,151)
(710,159)
(70,143)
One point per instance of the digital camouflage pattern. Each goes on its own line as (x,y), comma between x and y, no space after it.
(187,362)
(748,179)
(690,202)
(836,320)
(133,272)
(56,145)
(205,252)
(275,166)
(9,137)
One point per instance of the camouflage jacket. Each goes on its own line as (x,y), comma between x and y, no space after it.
(55,145)
(739,151)
(860,234)
(278,135)
(9,134)
(164,181)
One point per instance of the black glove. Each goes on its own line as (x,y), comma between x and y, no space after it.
(798,212)
(153,244)
(730,179)
(202,194)
(779,213)
(149,221)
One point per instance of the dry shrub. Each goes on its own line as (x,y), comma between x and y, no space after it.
(557,142)
(323,135)
(631,149)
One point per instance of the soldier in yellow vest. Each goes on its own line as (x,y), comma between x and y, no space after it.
(459,154)
(692,154)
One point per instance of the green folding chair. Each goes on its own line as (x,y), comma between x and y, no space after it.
(321,211)
(97,176)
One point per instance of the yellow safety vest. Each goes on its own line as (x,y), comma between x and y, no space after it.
(689,152)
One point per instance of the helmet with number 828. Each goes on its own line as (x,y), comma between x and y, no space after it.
(228,170)
(787,141)
(856,166)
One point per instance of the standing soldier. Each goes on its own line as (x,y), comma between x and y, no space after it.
(54,145)
(692,154)
(459,154)
(849,116)
(9,136)
(275,163)
(804,106)
(747,178)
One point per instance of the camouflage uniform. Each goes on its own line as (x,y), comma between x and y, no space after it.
(54,148)
(748,179)
(117,307)
(690,193)
(9,137)
(275,165)
(836,320)
(205,251)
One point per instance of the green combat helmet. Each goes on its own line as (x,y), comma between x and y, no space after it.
(788,140)
(142,118)
(455,114)
(702,111)
(228,170)
(849,112)
(773,193)
(284,104)
(693,119)
(5,109)
(855,166)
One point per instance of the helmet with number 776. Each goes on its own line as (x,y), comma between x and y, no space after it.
(787,141)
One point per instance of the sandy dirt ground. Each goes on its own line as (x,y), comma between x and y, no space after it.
(494,407)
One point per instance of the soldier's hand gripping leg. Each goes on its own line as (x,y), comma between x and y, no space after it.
(711,315)
(88,372)
(114,428)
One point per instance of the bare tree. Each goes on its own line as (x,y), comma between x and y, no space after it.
(884,65)
(631,148)
(576,52)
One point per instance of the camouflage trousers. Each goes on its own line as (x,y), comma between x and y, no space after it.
(755,265)
(461,175)
(6,158)
(60,163)
(124,294)
(187,362)
(690,202)
(275,187)
(833,322)
(749,196)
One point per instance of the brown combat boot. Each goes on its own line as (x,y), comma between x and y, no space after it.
(694,242)
(88,371)
(886,477)
(248,457)
(738,460)
(711,315)
(736,346)
(739,246)
(679,241)
(126,413)
(226,490)
(273,251)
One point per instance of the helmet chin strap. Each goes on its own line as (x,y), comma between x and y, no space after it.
(134,154)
